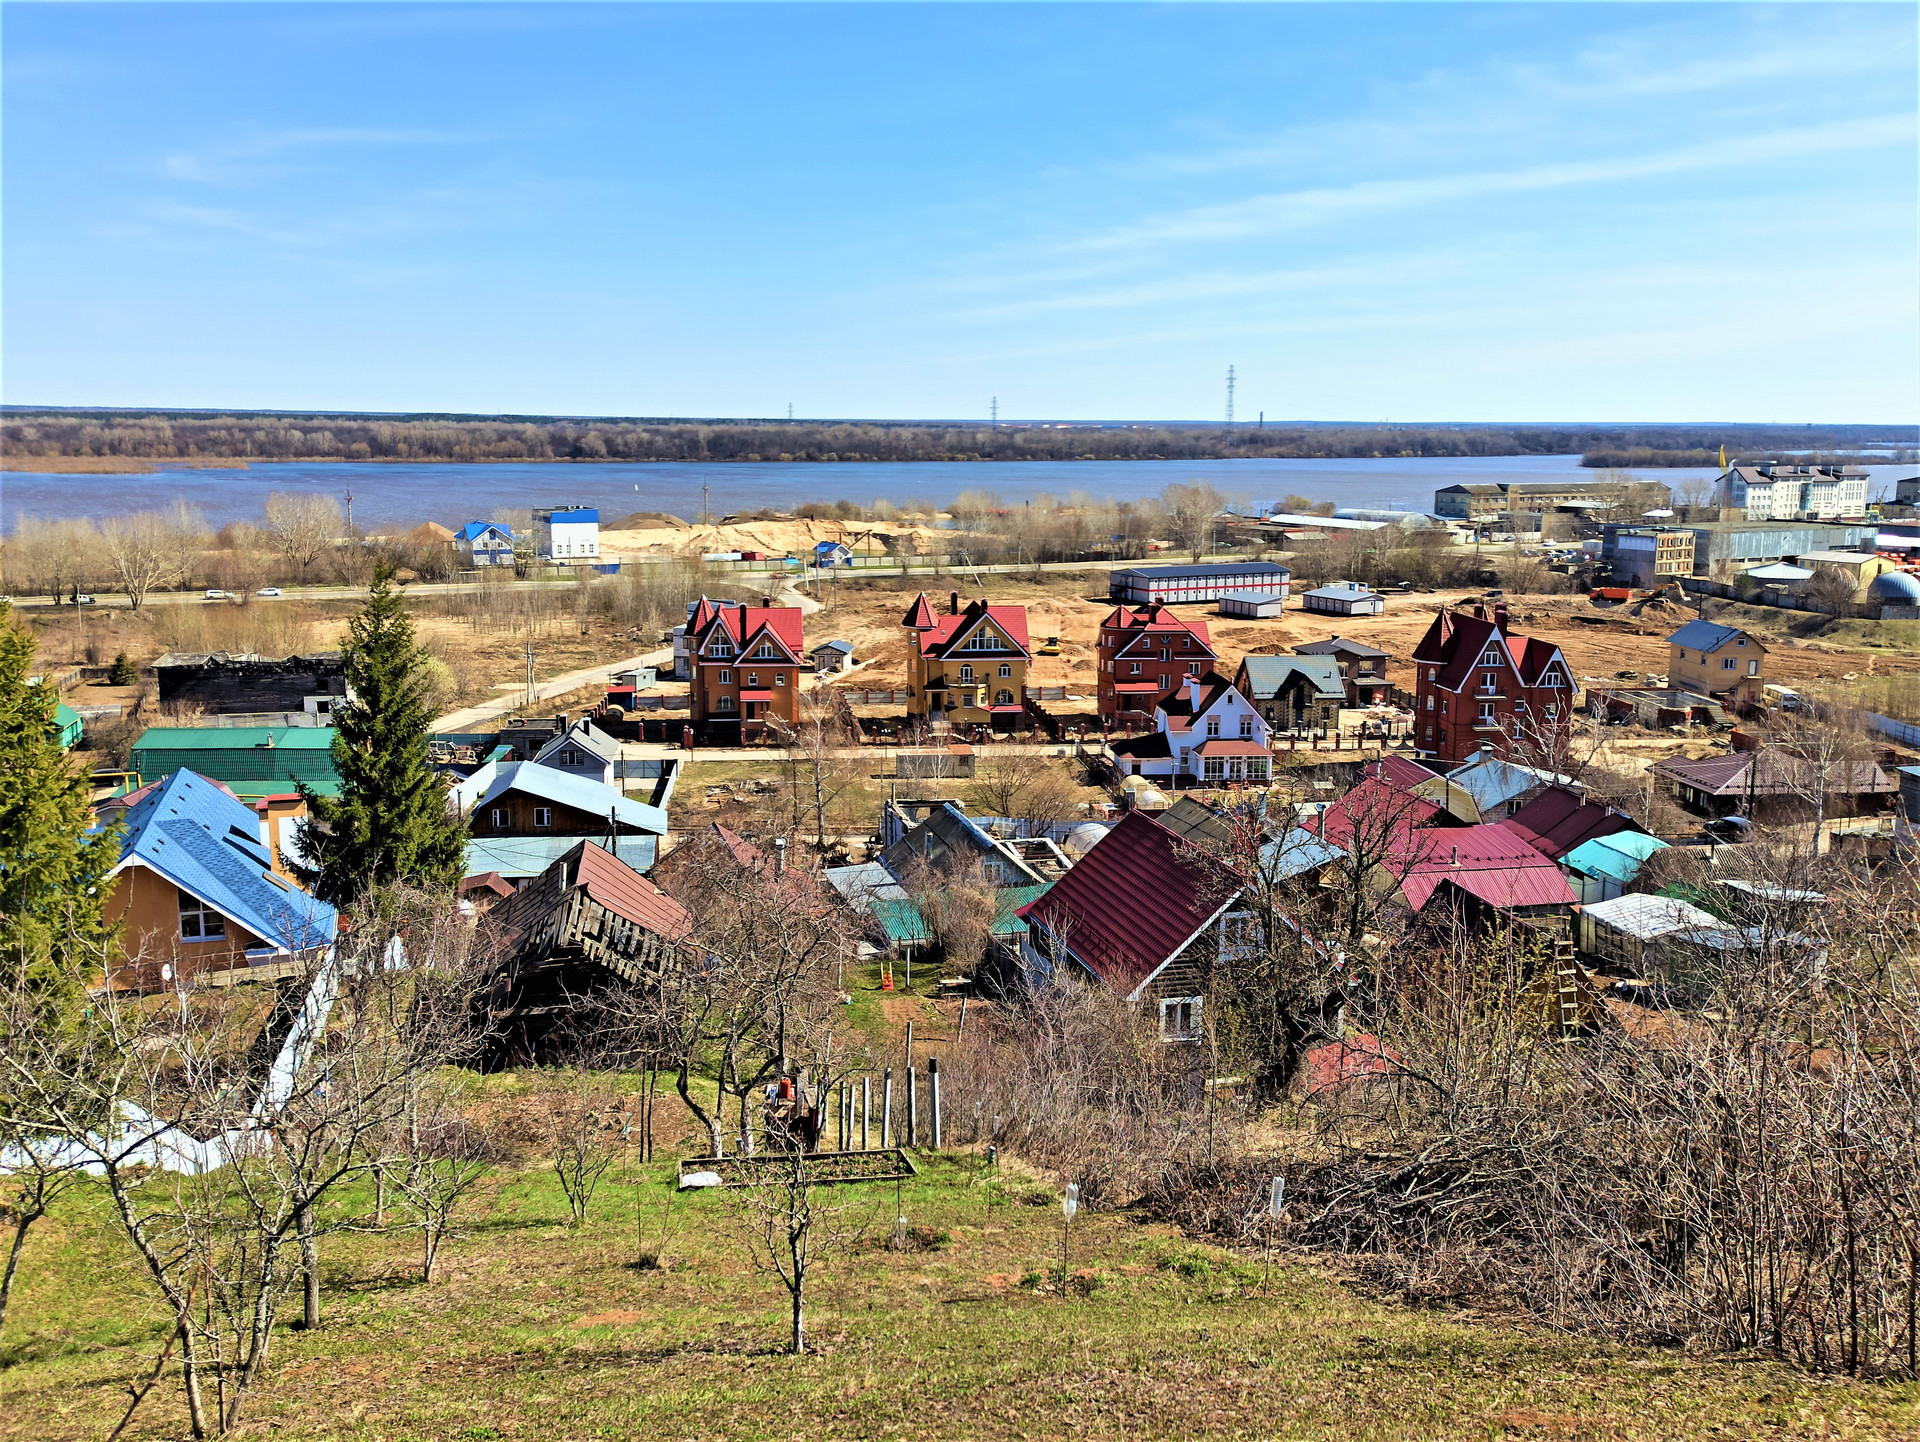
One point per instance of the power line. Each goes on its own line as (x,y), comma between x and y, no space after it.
(1229,395)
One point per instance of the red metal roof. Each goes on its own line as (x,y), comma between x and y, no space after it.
(1153,620)
(745,623)
(1011,620)
(1131,902)
(1153,686)
(1373,807)
(1400,773)
(1557,820)
(919,614)
(625,892)
(1456,643)
(1490,862)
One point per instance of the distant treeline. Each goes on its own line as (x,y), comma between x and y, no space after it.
(1643,457)
(163,435)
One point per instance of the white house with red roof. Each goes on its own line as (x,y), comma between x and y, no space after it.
(1205,732)
(1475,683)
(747,663)
(1144,652)
(969,666)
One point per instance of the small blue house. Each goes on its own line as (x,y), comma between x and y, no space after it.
(485,543)
(832,553)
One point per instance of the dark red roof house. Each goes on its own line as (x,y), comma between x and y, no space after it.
(1557,820)
(1475,685)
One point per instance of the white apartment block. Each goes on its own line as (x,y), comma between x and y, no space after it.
(1785,493)
(567,533)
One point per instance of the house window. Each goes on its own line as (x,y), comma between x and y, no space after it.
(1215,767)
(543,816)
(1180,1018)
(779,678)
(1727,663)
(500,816)
(1489,681)
(753,679)
(1753,668)
(1256,768)
(723,702)
(1166,653)
(966,673)
(725,678)
(1429,702)
(1246,728)
(1133,668)
(1486,713)
(1006,673)
(1186,761)
(1003,697)
(1193,668)
(1213,725)
(1553,710)
(200,922)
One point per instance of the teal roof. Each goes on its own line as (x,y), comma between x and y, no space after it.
(67,725)
(905,926)
(252,760)
(1618,857)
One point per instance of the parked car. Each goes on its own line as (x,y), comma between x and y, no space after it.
(83,599)
(268,591)
(1728,828)
(218,595)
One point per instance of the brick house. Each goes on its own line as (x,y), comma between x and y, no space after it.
(1363,668)
(1295,694)
(747,662)
(1475,682)
(969,666)
(1145,651)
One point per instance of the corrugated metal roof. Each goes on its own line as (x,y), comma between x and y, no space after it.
(197,835)
(1267,674)
(1646,917)
(1216,571)
(1557,820)
(1704,636)
(253,760)
(1618,857)
(593,797)
(1489,862)
(1492,781)
(520,856)
(1132,901)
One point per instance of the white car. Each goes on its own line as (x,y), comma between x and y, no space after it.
(83,599)
(219,596)
(268,591)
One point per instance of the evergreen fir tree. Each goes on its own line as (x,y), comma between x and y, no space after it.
(389,822)
(52,873)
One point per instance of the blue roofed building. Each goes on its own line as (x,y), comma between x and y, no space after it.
(1498,787)
(485,543)
(569,535)
(199,889)
(1603,868)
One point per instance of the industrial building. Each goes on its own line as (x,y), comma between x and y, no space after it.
(1483,500)
(1172,585)
(1647,555)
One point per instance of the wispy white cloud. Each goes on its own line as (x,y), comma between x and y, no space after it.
(1294,210)
(239,160)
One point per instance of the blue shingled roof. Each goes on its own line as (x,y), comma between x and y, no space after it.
(474,530)
(199,837)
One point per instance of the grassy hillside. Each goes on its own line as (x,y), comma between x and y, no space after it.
(540,1331)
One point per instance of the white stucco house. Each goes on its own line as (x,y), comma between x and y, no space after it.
(1205,733)
(566,534)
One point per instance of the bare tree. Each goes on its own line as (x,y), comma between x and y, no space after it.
(142,552)
(791,1231)
(819,774)
(957,906)
(304,526)
(448,1151)
(584,1120)
(50,556)
(1192,511)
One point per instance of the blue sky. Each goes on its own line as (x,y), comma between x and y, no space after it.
(1442,212)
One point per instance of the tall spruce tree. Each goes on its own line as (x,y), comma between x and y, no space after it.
(52,872)
(389,823)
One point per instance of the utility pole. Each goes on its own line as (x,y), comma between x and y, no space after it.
(353,561)
(1229,395)
(789,410)
(995,411)
(706,507)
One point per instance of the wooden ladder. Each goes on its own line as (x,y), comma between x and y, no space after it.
(1566,976)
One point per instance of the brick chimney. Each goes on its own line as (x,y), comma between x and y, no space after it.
(766,602)
(1500,617)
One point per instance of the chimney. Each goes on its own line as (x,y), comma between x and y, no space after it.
(1500,616)
(1479,610)
(1486,748)
(1193,690)
(779,857)
(953,603)
(765,602)
(1456,856)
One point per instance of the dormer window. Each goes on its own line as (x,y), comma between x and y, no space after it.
(200,922)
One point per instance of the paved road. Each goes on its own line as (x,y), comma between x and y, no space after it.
(475,718)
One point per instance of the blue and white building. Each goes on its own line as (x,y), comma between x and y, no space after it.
(484,543)
(566,534)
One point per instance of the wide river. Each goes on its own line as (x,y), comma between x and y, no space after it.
(387,495)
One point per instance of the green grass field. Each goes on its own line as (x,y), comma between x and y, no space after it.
(539,1331)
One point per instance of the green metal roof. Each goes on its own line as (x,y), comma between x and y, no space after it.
(67,725)
(252,760)
(904,925)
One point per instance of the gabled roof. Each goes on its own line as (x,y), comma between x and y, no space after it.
(1557,820)
(1152,621)
(1296,852)
(744,625)
(1338,646)
(592,797)
(1147,746)
(946,634)
(606,880)
(1707,637)
(1265,675)
(845,648)
(1646,917)
(1489,862)
(1456,645)
(1618,857)
(920,614)
(522,856)
(1374,807)
(1132,902)
(474,530)
(1403,773)
(1191,817)
(190,830)
(947,831)
(1181,713)
(1492,781)
(582,735)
